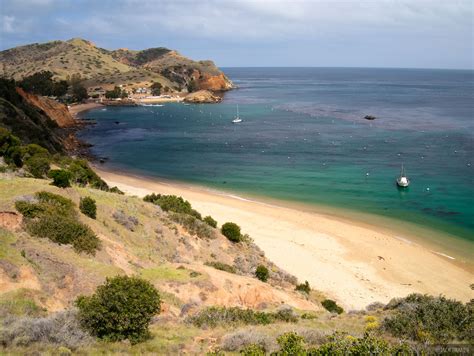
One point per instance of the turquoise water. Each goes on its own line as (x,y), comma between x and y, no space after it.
(304,139)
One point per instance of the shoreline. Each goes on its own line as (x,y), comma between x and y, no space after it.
(349,260)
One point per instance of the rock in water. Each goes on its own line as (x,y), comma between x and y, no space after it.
(202,96)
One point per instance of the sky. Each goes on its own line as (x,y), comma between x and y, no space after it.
(246,33)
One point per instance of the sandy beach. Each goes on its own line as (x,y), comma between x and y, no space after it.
(76,109)
(350,261)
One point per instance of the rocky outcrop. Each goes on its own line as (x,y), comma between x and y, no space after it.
(54,110)
(202,96)
(215,82)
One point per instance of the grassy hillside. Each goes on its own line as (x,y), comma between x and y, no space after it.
(212,300)
(101,67)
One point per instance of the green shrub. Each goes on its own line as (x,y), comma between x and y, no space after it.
(60,178)
(65,230)
(172,203)
(343,344)
(216,316)
(37,165)
(210,221)
(120,309)
(253,350)
(426,318)
(291,344)
(27,209)
(303,287)
(88,207)
(116,190)
(231,231)
(82,174)
(222,266)
(331,306)
(262,273)
(10,148)
(54,217)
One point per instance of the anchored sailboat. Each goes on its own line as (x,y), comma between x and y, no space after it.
(237,119)
(403,180)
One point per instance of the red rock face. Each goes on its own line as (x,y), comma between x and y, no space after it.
(56,111)
(214,83)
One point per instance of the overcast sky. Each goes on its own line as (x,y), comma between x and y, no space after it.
(335,33)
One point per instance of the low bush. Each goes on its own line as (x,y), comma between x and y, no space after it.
(129,222)
(61,328)
(430,319)
(343,344)
(231,231)
(60,178)
(241,340)
(88,207)
(120,309)
(291,344)
(331,306)
(303,287)
(172,203)
(210,221)
(222,266)
(54,217)
(253,350)
(193,225)
(216,316)
(262,273)
(37,165)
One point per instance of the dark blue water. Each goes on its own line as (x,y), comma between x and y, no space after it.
(304,139)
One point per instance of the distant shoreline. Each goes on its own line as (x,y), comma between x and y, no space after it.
(352,261)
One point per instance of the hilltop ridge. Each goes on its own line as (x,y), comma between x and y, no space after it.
(106,68)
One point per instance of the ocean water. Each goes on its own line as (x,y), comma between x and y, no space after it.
(304,139)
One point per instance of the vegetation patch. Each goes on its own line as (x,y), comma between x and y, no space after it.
(166,273)
(222,267)
(120,309)
(331,306)
(426,318)
(303,287)
(172,203)
(231,231)
(262,273)
(222,316)
(54,217)
(88,207)
(193,225)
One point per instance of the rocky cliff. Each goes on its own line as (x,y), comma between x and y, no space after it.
(54,110)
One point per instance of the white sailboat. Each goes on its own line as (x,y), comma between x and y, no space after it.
(237,119)
(403,180)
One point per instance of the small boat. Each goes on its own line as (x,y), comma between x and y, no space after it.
(237,119)
(403,181)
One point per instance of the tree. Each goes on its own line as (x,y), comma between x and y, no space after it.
(231,231)
(79,92)
(88,207)
(262,273)
(120,309)
(60,88)
(156,89)
(39,83)
(113,94)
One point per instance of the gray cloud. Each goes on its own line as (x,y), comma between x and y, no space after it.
(433,33)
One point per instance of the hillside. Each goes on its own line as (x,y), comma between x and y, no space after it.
(101,67)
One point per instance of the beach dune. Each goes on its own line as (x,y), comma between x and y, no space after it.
(352,262)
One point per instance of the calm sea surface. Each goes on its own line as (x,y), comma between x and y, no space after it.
(303,138)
